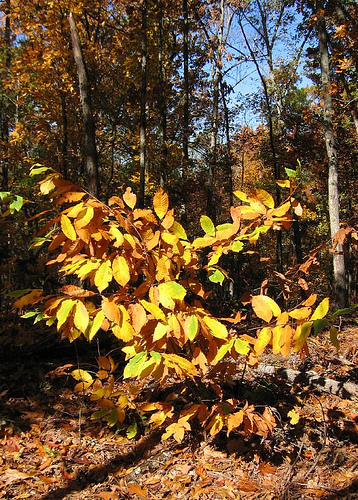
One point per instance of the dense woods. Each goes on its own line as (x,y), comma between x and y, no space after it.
(178,181)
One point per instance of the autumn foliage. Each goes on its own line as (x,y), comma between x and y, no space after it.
(134,273)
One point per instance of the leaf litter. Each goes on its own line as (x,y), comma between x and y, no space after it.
(51,449)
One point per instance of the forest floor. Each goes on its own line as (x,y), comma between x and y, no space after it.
(51,449)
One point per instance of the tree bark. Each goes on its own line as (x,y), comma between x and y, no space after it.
(90,150)
(5,133)
(143,111)
(339,272)
(162,100)
(186,86)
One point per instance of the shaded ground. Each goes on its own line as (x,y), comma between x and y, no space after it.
(51,449)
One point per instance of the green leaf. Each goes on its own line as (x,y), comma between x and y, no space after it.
(346,310)
(216,276)
(39,170)
(19,293)
(4,195)
(64,312)
(333,337)
(224,349)
(241,346)
(207,225)
(159,331)
(319,325)
(135,365)
(178,230)
(100,413)
(29,314)
(16,204)
(156,356)
(132,430)
(96,325)
(292,174)
(237,246)
(305,331)
(169,291)
(112,417)
(217,329)
(192,325)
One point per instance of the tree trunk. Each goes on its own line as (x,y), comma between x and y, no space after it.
(162,103)
(5,133)
(143,111)
(339,272)
(186,86)
(90,150)
(64,159)
(217,76)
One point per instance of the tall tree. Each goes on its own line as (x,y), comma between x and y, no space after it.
(90,149)
(339,271)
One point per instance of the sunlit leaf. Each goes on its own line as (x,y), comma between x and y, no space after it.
(191,326)
(64,311)
(120,268)
(161,203)
(67,228)
(169,291)
(216,328)
(294,417)
(103,275)
(263,340)
(321,310)
(207,225)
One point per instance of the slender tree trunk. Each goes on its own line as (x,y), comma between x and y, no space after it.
(143,105)
(90,150)
(276,170)
(162,104)
(217,77)
(5,132)
(186,86)
(64,137)
(339,272)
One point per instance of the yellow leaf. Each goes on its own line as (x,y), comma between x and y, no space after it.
(263,340)
(217,329)
(242,196)
(234,420)
(280,211)
(124,331)
(129,198)
(103,275)
(120,270)
(321,310)
(265,198)
(257,206)
(161,203)
(311,300)
(111,311)
(67,228)
(81,317)
(284,184)
(86,217)
(153,309)
(265,307)
(300,313)
(96,325)
(294,417)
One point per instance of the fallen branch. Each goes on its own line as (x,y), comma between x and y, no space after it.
(347,390)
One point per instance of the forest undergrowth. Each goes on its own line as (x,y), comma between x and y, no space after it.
(51,449)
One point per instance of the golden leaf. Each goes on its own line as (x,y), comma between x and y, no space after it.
(67,228)
(161,203)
